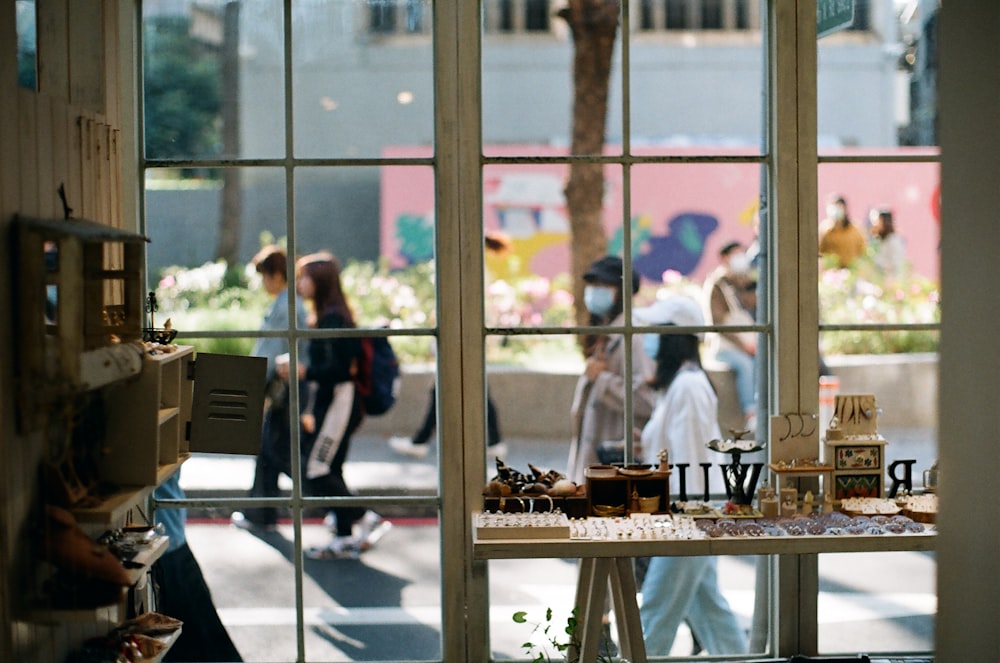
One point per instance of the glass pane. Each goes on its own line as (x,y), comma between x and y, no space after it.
(885,616)
(349,603)
(892,277)
(259,609)
(199,64)
(406,208)
(702,86)
(195,218)
(27,44)
(528,75)
(529,284)
(683,215)
(360,64)
(905,388)
(863,606)
(379,223)
(877,79)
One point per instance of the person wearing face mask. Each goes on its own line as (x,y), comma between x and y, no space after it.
(598,408)
(838,236)
(731,301)
(676,589)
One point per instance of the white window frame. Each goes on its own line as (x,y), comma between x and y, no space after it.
(792,324)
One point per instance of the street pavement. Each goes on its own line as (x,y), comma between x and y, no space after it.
(385,606)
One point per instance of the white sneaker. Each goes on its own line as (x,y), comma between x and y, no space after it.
(498,450)
(342,547)
(404,446)
(369,529)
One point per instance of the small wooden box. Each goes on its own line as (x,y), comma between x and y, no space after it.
(619,490)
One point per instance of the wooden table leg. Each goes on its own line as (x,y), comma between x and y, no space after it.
(623,601)
(591,596)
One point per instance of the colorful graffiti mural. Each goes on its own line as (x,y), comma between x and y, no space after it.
(680,213)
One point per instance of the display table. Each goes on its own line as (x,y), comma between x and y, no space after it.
(607,562)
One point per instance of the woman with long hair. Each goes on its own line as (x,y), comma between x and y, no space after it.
(336,410)
(685,419)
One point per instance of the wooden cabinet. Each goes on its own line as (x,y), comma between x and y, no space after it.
(147,420)
(78,310)
(621,494)
(180,403)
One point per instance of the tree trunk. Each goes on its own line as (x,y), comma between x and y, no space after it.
(594,26)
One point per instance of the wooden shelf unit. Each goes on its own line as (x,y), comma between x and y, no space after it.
(147,420)
(618,490)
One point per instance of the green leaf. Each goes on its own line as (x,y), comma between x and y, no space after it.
(520,617)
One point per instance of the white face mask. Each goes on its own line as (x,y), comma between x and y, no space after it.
(599,300)
(739,263)
(835,212)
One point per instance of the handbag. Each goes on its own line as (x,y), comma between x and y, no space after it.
(331,433)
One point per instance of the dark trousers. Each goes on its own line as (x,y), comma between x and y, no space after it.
(332,484)
(273,461)
(181,593)
(423,434)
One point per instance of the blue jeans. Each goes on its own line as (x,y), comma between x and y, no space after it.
(742,366)
(676,589)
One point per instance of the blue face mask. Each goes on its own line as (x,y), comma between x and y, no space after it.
(599,300)
(651,345)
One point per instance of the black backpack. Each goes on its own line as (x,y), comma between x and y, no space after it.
(377,377)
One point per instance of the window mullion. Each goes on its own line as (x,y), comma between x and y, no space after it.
(795,343)
(461,374)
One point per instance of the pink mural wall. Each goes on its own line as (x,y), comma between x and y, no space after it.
(681,213)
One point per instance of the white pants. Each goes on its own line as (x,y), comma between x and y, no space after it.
(687,588)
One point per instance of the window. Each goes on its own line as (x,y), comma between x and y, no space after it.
(517,16)
(402,157)
(398,16)
(667,15)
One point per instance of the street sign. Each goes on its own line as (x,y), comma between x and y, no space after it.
(833,15)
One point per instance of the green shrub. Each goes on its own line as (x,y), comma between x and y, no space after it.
(213,297)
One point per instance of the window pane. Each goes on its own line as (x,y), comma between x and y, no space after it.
(684,214)
(887,617)
(529,284)
(194,284)
(350,76)
(705,88)
(337,209)
(890,280)
(528,81)
(27,44)
(199,66)
(877,81)
(862,606)
(252,583)
(349,604)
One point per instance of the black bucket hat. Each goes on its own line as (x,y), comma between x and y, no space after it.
(608,271)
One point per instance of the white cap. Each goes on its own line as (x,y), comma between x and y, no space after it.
(672,310)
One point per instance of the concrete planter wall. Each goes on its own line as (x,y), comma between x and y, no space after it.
(535,405)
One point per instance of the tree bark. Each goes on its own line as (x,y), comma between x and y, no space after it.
(594,26)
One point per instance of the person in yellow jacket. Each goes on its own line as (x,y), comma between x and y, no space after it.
(838,236)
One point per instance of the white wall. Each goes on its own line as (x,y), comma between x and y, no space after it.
(968,563)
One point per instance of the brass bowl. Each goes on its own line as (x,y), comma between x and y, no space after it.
(161,336)
(609,511)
